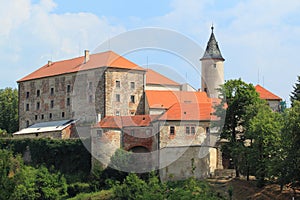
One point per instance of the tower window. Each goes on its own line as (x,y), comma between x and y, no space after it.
(215,65)
(35,117)
(38,105)
(118,84)
(118,98)
(27,95)
(132,85)
(38,93)
(68,88)
(68,102)
(132,99)
(50,116)
(91,99)
(172,130)
(99,133)
(27,123)
(52,91)
(27,107)
(42,116)
(52,103)
(63,114)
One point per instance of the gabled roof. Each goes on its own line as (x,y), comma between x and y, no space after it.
(266,94)
(212,49)
(188,112)
(46,127)
(104,59)
(155,78)
(165,99)
(118,122)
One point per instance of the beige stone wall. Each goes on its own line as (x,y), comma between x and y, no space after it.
(212,76)
(124,107)
(181,138)
(52,134)
(179,163)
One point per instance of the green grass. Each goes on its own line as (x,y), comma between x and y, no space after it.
(101,195)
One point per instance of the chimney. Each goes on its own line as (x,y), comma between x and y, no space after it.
(86,56)
(49,62)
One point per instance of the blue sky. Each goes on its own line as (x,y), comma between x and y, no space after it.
(260,40)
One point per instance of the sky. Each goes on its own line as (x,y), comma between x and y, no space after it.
(260,40)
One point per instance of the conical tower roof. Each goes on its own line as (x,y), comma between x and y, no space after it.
(212,49)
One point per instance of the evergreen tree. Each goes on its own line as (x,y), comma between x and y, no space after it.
(9,110)
(296,93)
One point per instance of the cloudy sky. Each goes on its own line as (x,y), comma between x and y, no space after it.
(260,40)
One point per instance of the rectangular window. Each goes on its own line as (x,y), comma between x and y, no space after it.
(118,98)
(52,103)
(172,130)
(187,130)
(27,95)
(118,84)
(68,88)
(193,130)
(50,116)
(99,133)
(27,107)
(132,85)
(27,123)
(117,113)
(90,85)
(38,105)
(132,99)
(42,116)
(68,102)
(38,92)
(35,117)
(63,114)
(52,91)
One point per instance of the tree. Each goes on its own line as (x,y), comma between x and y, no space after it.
(264,131)
(9,110)
(237,97)
(296,93)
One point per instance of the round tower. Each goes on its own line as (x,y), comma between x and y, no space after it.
(212,67)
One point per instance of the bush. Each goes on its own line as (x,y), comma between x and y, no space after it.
(76,188)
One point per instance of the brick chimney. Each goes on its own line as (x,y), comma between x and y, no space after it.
(49,62)
(86,56)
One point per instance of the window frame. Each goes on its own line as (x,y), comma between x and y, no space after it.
(172,131)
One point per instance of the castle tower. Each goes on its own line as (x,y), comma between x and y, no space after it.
(212,72)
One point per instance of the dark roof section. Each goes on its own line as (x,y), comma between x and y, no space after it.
(212,49)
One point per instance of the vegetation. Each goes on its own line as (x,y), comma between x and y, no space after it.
(9,121)
(295,95)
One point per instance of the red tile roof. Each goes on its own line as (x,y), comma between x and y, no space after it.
(105,59)
(165,99)
(188,112)
(266,94)
(153,77)
(119,122)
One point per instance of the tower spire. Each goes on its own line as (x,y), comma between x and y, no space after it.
(212,49)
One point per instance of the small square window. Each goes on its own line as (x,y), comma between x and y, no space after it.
(38,92)
(117,113)
(68,102)
(132,85)
(68,88)
(27,95)
(38,105)
(52,91)
(187,130)
(27,107)
(132,99)
(118,98)
(99,133)
(172,130)
(118,84)
(52,103)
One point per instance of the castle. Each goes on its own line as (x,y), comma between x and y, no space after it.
(122,105)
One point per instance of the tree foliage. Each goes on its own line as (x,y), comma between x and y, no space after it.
(9,110)
(296,92)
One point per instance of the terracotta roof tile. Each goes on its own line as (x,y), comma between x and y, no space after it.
(153,77)
(266,94)
(165,99)
(105,59)
(119,122)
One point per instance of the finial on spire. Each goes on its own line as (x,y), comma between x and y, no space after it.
(212,27)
